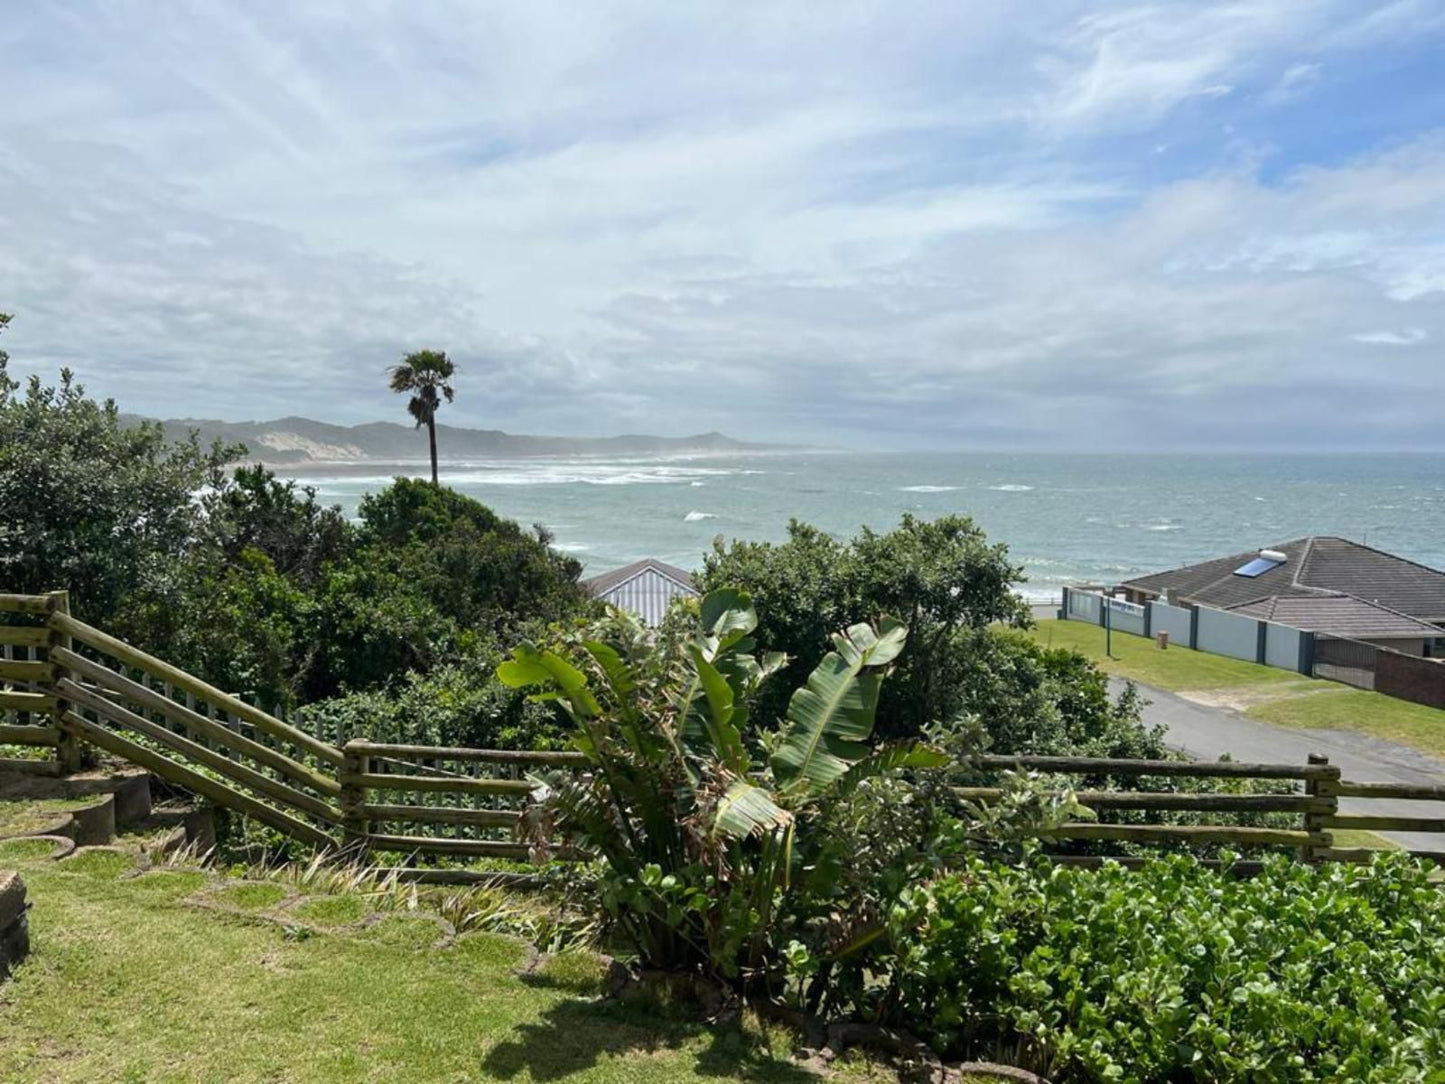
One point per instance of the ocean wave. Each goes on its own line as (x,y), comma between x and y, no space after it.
(1162,526)
(927,489)
(1012,487)
(571,547)
(693,517)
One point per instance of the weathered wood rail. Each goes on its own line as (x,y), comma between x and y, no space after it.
(66,687)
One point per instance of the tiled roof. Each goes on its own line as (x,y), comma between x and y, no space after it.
(1316,566)
(1338,615)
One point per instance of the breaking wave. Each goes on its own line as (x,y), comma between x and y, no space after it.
(693,517)
(927,489)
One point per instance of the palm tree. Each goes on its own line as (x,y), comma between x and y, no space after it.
(425,374)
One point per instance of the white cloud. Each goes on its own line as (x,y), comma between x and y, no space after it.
(882,222)
(1408,337)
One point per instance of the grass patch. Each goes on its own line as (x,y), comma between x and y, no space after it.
(331,910)
(107,864)
(406,932)
(1141,660)
(19,851)
(578,972)
(1364,712)
(174,993)
(32,815)
(250,897)
(1359,837)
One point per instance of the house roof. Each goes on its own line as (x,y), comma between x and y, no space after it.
(645,587)
(1338,615)
(1319,566)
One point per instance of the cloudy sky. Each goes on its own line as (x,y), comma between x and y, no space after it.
(981,224)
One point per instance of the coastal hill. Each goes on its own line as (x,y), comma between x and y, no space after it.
(289,441)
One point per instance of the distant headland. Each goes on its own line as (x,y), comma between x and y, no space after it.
(294,442)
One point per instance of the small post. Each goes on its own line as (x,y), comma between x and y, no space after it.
(352,799)
(1314,822)
(68,751)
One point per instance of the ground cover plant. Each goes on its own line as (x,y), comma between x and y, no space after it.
(1180,973)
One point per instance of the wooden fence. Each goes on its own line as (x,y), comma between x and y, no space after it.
(65,686)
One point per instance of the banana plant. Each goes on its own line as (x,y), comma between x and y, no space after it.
(674,788)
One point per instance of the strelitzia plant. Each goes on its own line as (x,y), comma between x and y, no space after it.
(699,826)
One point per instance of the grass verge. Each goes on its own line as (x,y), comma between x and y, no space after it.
(1269,695)
(1414,725)
(1139,659)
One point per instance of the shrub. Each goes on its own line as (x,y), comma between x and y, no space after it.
(455,704)
(767,858)
(1179,972)
(707,856)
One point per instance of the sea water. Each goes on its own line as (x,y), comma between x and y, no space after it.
(1065,518)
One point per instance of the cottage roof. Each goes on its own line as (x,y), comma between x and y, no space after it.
(645,587)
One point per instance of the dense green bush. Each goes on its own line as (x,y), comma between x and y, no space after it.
(939,578)
(90,505)
(963,660)
(250,582)
(1179,973)
(455,704)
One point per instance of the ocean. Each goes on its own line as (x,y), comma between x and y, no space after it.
(1066,518)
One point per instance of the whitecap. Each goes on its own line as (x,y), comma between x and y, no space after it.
(1163,527)
(927,489)
(1012,488)
(571,547)
(693,517)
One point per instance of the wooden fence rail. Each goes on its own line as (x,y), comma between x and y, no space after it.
(65,685)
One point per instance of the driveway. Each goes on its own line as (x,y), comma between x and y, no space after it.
(1207,733)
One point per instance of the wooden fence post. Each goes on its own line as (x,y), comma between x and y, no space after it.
(68,750)
(1314,822)
(352,799)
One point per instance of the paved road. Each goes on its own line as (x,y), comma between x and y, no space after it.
(1208,733)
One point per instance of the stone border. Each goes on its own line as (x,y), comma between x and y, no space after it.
(88,826)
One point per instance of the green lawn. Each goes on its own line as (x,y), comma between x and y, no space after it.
(127,982)
(1139,659)
(1270,695)
(1414,725)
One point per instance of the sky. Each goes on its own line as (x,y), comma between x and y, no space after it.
(895,225)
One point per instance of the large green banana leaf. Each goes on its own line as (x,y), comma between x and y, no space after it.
(830,718)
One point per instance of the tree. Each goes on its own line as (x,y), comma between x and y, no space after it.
(940,578)
(427,375)
(92,505)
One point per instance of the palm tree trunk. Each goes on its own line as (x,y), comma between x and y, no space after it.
(431,430)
